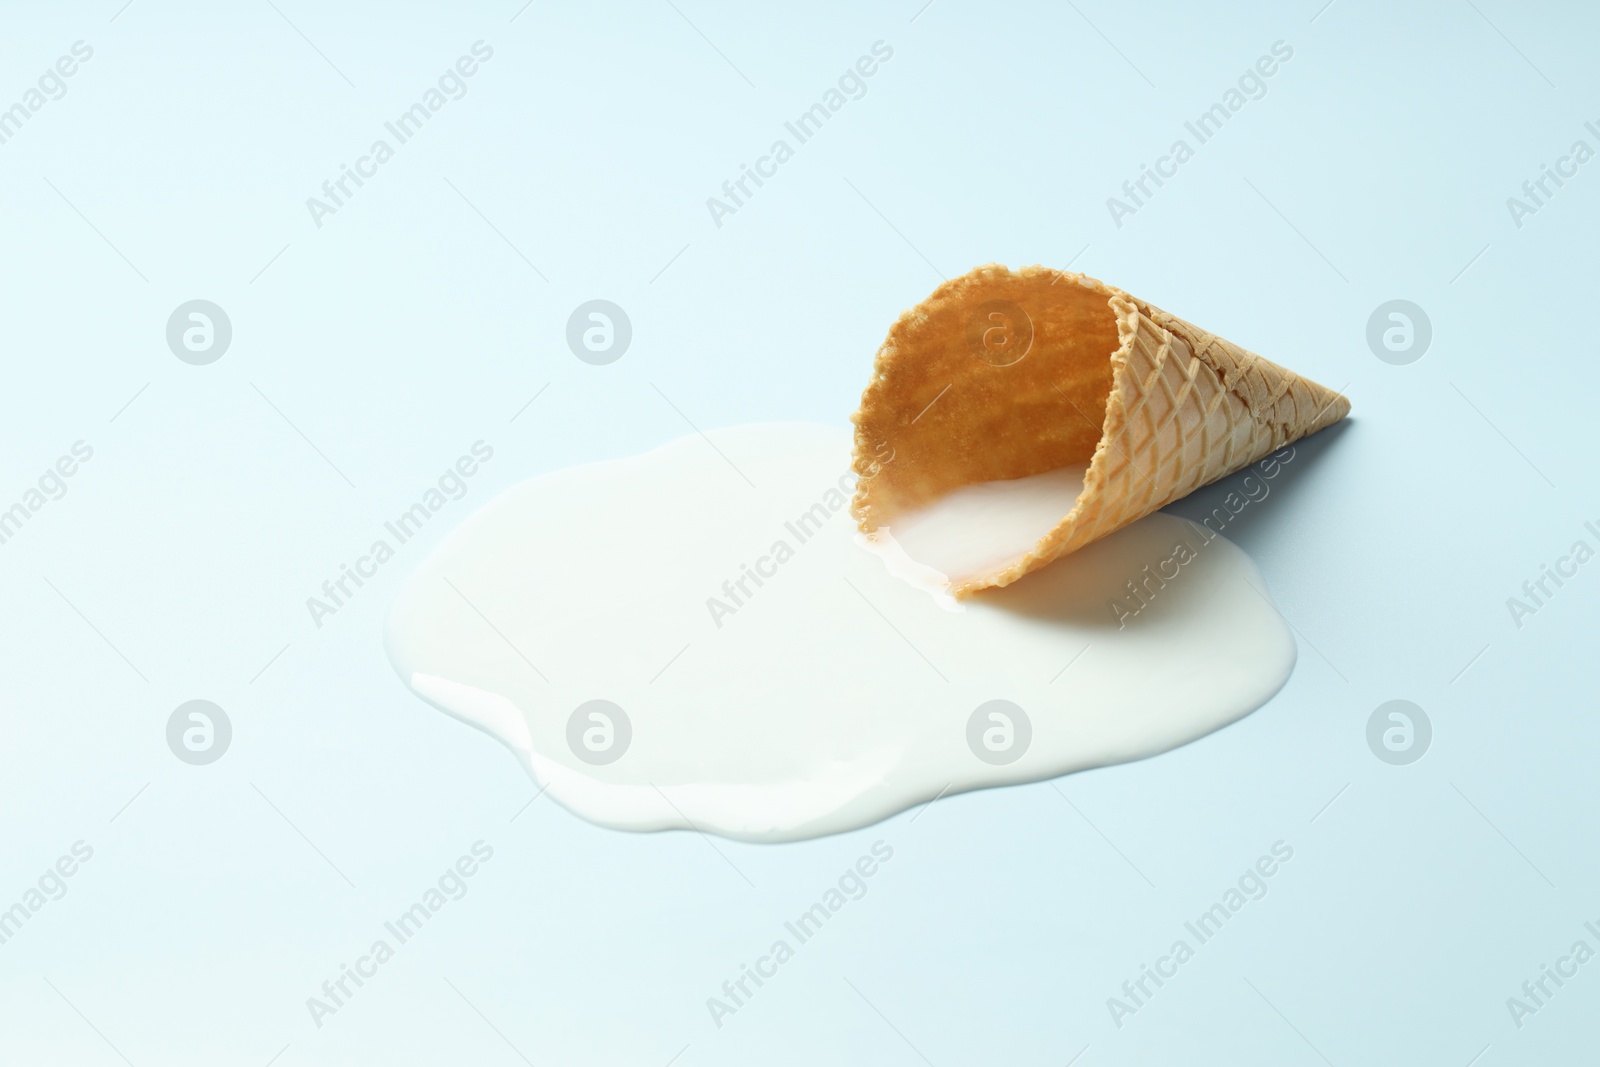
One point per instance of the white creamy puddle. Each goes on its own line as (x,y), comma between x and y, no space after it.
(977,529)
(665,647)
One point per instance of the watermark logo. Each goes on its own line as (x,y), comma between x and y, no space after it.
(737,191)
(452,484)
(1538,591)
(737,591)
(1144,587)
(451,85)
(1398,732)
(51,885)
(1537,992)
(999,732)
(851,885)
(599,332)
(1538,192)
(1137,192)
(1251,885)
(199,332)
(51,485)
(1399,332)
(599,732)
(1000,333)
(451,885)
(51,85)
(199,732)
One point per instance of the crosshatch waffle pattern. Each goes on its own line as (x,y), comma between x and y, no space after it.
(1186,408)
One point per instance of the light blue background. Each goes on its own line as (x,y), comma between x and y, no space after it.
(410,325)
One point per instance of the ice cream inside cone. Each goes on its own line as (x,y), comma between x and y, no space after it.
(1015,416)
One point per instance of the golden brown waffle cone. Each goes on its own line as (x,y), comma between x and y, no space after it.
(1156,406)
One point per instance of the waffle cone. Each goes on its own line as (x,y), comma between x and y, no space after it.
(1003,374)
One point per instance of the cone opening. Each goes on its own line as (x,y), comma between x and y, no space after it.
(986,407)
(1031,412)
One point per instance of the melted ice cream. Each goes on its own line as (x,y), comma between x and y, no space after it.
(978,529)
(663,646)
